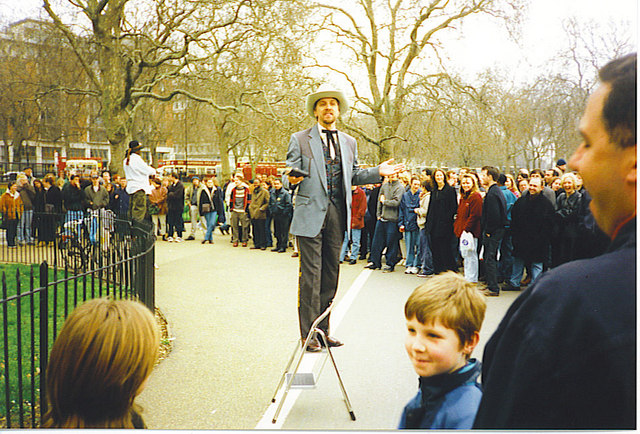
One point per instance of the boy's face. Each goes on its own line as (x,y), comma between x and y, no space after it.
(435,349)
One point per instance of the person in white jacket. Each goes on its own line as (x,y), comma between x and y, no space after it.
(139,187)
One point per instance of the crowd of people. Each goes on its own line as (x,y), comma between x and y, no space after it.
(30,206)
(493,225)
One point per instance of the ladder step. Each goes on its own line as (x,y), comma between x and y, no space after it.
(302,380)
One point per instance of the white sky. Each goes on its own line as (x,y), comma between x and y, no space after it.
(485,44)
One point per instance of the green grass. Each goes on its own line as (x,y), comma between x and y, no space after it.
(27,332)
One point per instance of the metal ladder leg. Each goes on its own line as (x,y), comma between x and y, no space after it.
(286,371)
(333,362)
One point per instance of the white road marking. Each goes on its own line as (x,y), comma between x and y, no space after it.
(309,360)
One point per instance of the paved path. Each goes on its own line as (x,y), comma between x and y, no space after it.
(232,313)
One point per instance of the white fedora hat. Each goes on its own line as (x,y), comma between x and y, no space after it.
(327,91)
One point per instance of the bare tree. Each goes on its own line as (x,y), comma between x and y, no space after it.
(37,59)
(136,48)
(395,45)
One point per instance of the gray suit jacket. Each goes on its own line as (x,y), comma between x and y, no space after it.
(311,201)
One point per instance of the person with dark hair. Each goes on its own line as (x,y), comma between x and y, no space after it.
(38,210)
(564,355)
(556,186)
(11,208)
(442,209)
(506,246)
(52,207)
(175,206)
(138,187)
(258,212)
(239,206)
(192,197)
(426,257)
(494,220)
(387,233)
(561,166)
(281,209)
(366,240)
(531,222)
(73,199)
(408,223)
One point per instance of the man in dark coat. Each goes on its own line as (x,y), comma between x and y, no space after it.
(175,204)
(564,355)
(493,222)
(281,209)
(531,223)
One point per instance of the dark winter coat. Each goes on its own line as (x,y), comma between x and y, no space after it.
(408,204)
(280,205)
(564,355)
(175,197)
(494,211)
(214,199)
(531,223)
(442,208)
(567,215)
(53,196)
(73,198)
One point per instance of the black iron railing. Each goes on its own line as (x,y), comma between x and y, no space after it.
(90,255)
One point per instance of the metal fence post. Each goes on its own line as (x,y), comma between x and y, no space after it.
(44,336)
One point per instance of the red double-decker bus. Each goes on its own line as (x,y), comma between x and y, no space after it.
(262,168)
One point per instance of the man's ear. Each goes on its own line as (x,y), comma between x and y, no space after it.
(632,165)
(471,343)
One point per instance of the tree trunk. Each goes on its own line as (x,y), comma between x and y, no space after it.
(224,161)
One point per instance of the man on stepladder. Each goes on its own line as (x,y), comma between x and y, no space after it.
(326,160)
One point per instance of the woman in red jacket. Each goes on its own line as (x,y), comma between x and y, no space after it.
(468,220)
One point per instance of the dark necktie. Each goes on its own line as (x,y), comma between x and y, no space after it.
(331,142)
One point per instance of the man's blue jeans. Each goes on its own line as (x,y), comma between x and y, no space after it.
(386,234)
(24,227)
(518,269)
(426,259)
(411,242)
(74,216)
(355,244)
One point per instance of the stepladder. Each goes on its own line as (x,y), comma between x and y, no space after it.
(293,378)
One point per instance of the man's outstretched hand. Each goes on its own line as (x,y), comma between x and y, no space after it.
(387,168)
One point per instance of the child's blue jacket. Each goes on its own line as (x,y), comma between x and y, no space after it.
(446,401)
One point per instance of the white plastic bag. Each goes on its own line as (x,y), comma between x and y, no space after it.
(466,242)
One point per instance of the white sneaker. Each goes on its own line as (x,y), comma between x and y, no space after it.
(408,271)
(179,240)
(414,270)
(170,239)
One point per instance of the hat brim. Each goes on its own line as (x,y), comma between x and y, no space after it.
(338,95)
(136,148)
